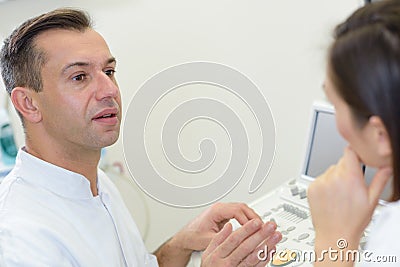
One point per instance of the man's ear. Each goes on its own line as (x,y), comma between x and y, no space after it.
(24,101)
(381,136)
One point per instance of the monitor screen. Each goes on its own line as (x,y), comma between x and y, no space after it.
(326,144)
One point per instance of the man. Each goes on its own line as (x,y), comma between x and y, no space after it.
(56,207)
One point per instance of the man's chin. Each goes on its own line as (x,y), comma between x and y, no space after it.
(110,140)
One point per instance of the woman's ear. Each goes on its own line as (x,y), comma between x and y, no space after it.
(381,136)
(24,101)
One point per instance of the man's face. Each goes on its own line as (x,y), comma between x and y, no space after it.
(80,101)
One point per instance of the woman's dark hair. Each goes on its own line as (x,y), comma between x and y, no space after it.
(364,66)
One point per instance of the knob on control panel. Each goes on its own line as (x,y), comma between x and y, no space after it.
(294,190)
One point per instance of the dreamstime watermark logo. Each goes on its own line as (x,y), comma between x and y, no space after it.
(298,257)
(168,81)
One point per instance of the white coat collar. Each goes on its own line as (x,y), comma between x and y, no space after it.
(51,177)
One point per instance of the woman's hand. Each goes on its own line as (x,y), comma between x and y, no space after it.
(341,202)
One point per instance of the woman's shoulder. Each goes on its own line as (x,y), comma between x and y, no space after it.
(385,232)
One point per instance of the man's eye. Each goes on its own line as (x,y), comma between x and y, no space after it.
(109,72)
(79,77)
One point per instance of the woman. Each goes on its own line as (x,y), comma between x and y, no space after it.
(363,83)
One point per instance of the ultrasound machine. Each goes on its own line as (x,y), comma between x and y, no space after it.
(287,205)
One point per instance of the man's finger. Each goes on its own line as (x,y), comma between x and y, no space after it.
(237,237)
(247,247)
(263,251)
(219,238)
(240,211)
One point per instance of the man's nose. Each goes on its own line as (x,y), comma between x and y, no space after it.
(106,87)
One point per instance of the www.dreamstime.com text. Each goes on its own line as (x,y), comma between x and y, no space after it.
(330,254)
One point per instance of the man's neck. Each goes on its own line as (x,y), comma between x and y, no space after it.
(77,160)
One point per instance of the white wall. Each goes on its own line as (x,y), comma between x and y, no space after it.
(279,45)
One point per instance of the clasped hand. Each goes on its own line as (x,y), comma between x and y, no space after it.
(212,232)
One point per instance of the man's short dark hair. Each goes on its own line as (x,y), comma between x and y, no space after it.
(21,61)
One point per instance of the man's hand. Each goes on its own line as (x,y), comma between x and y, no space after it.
(199,232)
(197,235)
(242,247)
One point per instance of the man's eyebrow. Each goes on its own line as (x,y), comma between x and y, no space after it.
(85,64)
(111,60)
(74,64)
